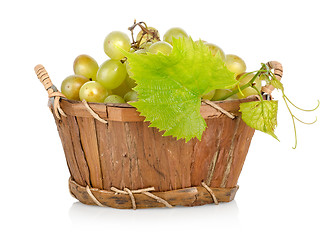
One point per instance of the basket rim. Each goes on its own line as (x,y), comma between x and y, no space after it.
(127,105)
(124,112)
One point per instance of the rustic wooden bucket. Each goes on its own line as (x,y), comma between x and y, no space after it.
(116,160)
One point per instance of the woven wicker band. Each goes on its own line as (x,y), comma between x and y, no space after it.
(143,198)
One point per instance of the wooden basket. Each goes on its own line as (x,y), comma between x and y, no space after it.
(116,160)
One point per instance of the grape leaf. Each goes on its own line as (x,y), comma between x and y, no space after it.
(260,115)
(277,84)
(170,87)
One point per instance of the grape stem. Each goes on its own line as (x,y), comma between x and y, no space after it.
(271,79)
(259,93)
(153,34)
(248,84)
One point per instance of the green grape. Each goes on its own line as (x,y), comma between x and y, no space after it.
(233,97)
(249,90)
(209,95)
(197,41)
(131,96)
(147,37)
(71,86)
(122,89)
(130,82)
(126,63)
(215,49)
(128,68)
(162,47)
(176,33)
(86,66)
(111,74)
(114,99)
(235,64)
(141,51)
(113,42)
(146,45)
(93,92)
(220,93)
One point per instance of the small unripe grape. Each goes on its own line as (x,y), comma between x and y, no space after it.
(145,46)
(93,92)
(127,65)
(147,37)
(249,90)
(128,68)
(215,50)
(86,66)
(131,96)
(114,99)
(121,90)
(130,82)
(209,95)
(233,97)
(141,51)
(162,47)
(71,86)
(113,42)
(235,64)
(220,93)
(176,33)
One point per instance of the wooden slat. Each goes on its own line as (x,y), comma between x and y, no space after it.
(90,146)
(243,142)
(225,138)
(231,149)
(105,152)
(78,149)
(150,159)
(65,135)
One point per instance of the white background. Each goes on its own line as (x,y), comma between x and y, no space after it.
(280,195)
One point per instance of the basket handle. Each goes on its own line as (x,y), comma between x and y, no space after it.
(44,78)
(52,91)
(278,72)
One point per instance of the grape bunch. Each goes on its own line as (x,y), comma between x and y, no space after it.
(112,82)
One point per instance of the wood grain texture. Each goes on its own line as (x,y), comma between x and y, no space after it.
(78,149)
(126,153)
(88,139)
(193,196)
(69,150)
(123,112)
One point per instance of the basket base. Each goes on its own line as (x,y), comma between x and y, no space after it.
(193,196)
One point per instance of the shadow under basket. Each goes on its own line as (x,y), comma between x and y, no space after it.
(116,160)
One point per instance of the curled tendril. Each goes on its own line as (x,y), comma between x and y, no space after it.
(305,110)
(286,100)
(271,79)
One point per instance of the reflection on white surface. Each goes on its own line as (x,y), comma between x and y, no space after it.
(222,215)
